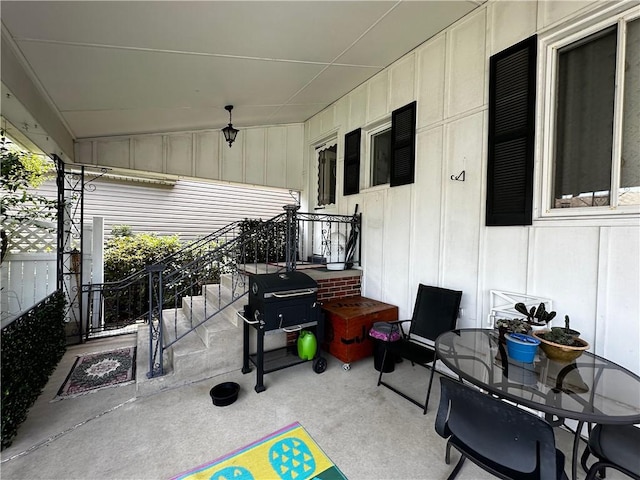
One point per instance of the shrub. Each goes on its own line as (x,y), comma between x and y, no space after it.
(265,241)
(127,254)
(124,255)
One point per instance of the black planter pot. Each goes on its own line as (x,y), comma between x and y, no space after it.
(224,394)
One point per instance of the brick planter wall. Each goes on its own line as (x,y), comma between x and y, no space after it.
(331,285)
(331,288)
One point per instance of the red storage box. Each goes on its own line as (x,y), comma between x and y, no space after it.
(347,324)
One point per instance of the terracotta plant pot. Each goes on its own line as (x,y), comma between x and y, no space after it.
(561,353)
(572,332)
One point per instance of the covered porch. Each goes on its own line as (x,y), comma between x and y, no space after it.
(369,432)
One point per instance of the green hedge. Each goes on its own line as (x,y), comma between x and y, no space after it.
(125,254)
(268,241)
(32,346)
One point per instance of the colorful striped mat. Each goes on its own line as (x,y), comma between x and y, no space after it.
(290,454)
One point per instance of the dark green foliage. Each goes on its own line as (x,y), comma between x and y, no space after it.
(559,336)
(263,241)
(540,313)
(124,255)
(32,346)
(563,336)
(127,254)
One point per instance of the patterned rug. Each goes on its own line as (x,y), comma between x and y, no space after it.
(289,453)
(96,371)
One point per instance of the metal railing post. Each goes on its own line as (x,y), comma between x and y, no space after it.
(156,349)
(291,237)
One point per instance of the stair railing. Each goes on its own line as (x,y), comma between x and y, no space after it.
(173,289)
(112,306)
(177,294)
(275,245)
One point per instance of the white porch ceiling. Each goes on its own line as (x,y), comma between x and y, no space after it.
(127,67)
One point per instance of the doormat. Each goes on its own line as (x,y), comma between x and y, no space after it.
(289,453)
(96,371)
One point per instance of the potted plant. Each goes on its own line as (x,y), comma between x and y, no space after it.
(561,344)
(516,325)
(566,330)
(538,318)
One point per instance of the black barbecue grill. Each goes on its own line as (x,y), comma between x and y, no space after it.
(288,301)
(280,300)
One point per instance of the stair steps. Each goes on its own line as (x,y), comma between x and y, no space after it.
(212,349)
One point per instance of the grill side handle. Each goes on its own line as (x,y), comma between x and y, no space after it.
(300,293)
(297,328)
(246,320)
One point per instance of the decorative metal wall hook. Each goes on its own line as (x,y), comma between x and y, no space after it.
(459,177)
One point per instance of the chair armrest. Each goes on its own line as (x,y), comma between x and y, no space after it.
(394,322)
(399,323)
(391,333)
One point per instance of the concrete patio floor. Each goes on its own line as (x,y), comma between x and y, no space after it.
(369,432)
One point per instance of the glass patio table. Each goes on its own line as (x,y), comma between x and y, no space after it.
(591,389)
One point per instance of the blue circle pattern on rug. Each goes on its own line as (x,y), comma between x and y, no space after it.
(232,473)
(292,459)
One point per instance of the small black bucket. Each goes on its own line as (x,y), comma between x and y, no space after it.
(224,394)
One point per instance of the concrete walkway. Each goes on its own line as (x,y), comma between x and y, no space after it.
(368,431)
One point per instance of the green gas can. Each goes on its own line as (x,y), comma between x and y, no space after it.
(307,345)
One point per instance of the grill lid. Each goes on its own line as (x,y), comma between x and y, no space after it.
(290,282)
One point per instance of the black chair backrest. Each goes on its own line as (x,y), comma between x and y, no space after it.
(435,311)
(496,430)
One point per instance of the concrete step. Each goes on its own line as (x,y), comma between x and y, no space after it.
(214,348)
(273,339)
(238,283)
(208,306)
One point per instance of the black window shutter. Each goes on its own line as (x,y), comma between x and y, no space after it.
(352,162)
(512,91)
(403,145)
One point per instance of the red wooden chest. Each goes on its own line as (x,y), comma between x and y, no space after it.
(347,325)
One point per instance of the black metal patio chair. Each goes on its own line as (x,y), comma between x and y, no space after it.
(615,446)
(499,437)
(435,312)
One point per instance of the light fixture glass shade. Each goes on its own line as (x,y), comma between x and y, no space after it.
(230,134)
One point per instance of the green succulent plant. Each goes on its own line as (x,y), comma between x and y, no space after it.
(563,336)
(535,315)
(515,325)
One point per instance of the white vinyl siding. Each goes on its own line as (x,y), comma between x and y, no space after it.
(188,208)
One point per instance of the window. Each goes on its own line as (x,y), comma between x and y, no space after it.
(380,156)
(594,152)
(389,152)
(326,175)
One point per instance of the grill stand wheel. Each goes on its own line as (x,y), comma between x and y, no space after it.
(319,364)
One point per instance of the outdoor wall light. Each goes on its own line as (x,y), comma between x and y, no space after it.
(228,131)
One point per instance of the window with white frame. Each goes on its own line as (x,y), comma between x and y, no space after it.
(379,155)
(593,139)
(326,175)
(389,152)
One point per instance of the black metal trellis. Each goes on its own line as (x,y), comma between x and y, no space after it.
(70,186)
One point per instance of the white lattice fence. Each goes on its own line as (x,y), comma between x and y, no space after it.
(32,238)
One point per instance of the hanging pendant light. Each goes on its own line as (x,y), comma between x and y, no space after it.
(228,131)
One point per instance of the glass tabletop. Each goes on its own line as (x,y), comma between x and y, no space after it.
(590,389)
